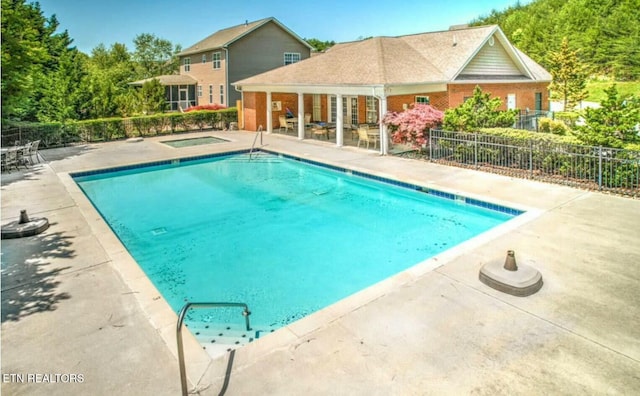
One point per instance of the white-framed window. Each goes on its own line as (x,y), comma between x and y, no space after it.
(187,64)
(199,91)
(423,100)
(217,57)
(210,93)
(291,57)
(372,110)
(204,58)
(221,94)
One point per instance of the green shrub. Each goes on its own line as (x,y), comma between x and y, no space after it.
(556,127)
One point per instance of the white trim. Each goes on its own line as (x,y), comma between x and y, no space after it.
(269,112)
(511,52)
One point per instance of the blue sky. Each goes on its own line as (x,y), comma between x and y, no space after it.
(91,22)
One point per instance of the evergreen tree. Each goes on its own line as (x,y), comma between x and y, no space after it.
(23,54)
(614,124)
(569,76)
(479,111)
(152,97)
(606,31)
(63,96)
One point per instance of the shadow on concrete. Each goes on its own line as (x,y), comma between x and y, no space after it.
(60,153)
(33,171)
(29,278)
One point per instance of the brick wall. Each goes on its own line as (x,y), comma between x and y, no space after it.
(525,98)
(525,94)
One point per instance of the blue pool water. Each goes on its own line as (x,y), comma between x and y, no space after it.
(285,237)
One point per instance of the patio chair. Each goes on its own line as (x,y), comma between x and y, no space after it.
(10,159)
(364,136)
(33,151)
(24,154)
(319,130)
(284,124)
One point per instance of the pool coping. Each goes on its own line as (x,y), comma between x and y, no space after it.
(164,319)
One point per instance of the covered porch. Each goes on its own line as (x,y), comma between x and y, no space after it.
(337,114)
(180,90)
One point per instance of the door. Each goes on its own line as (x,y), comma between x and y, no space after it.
(511,101)
(538,101)
(350,110)
(183,101)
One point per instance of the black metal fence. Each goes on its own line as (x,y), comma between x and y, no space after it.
(530,119)
(589,167)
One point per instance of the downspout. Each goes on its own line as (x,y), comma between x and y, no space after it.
(226,74)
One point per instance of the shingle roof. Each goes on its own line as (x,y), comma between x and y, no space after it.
(435,57)
(172,79)
(224,37)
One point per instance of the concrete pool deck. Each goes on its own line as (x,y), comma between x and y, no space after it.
(75,307)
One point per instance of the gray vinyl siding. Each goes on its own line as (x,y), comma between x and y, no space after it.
(260,51)
(492,61)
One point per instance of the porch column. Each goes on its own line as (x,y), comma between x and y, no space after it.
(384,138)
(300,116)
(269,114)
(339,121)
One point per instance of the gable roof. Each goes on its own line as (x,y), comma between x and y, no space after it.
(168,79)
(428,58)
(225,37)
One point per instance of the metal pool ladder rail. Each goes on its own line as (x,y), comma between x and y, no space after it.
(254,141)
(183,313)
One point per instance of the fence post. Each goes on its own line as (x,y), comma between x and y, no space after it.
(430,146)
(531,158)
(475,150)
(600,168)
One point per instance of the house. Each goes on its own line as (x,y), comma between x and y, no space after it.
(208,67)
(359,82)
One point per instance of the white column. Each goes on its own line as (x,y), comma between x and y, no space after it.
(384,139)
(339,121)
(300,116)
(269,114)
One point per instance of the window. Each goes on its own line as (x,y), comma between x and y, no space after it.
(217,57)
(221,94)
(187,64)
(372,110)
(199,91)
(210,93)
(204,58)
(423,99)
(291,57)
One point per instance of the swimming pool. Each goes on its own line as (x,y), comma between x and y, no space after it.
(285,236)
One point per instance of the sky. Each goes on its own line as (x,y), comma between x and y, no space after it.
(94,22)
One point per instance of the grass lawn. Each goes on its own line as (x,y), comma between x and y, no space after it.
(626,88)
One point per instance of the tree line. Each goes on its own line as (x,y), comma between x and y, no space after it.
(605,32)
(46,79)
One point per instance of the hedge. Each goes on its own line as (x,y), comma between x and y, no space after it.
(106,129)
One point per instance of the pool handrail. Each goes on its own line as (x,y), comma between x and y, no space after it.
(254,141)
(183,313)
